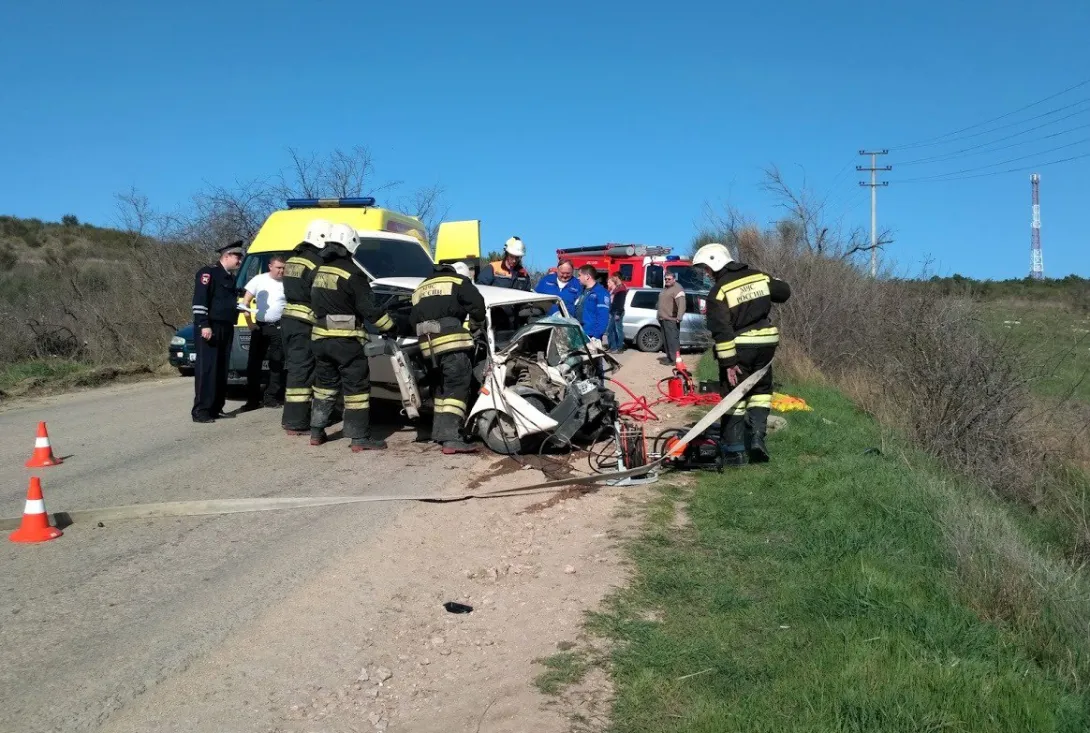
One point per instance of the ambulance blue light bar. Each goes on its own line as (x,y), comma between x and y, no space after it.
(673,258)
(348,203)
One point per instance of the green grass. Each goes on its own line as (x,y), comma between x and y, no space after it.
(1055,338)
(833,590)
(562,669)
(51,370)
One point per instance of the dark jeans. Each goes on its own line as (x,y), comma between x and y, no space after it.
(210,377)
(615,332)
(265,343)
(671,338)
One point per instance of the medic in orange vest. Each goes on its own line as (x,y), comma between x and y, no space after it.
(508,272)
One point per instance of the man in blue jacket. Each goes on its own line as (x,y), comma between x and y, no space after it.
(592,307)
(561,283)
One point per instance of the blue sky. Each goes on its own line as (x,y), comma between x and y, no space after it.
(565,123)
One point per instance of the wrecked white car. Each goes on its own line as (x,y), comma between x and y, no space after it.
(538,379)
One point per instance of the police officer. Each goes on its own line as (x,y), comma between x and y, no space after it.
(442,303)
(508,271)
(738,311)
(295,327)
(340,297)
(215,309)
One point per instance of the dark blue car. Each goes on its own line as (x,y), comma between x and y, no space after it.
(182,352)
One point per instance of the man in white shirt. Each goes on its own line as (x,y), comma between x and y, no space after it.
(265,295)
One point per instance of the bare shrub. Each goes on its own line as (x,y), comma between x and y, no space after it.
(914,357)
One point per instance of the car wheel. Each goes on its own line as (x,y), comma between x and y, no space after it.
(498,433)
(185,371)
(649,339)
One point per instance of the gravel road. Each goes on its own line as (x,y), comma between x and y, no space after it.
(100,616)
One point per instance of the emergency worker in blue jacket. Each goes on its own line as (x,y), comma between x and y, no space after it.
(592,306)
(215,310)
(562,284)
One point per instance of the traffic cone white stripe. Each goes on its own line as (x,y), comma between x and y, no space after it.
(41,442)
(34,506)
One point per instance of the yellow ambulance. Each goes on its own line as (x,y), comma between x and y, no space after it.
(391,245)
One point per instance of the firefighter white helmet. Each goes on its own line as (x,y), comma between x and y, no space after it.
(515,247)
(713,256)
(317,232)
(462,269)
(345,236)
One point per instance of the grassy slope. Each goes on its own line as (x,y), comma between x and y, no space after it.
(1054,336)
(821,593)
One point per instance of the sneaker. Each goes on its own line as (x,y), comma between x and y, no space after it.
(318,438)
(203,418)
(452,447)
(368,444)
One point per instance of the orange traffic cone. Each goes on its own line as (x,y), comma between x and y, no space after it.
(35,525)
(43,453)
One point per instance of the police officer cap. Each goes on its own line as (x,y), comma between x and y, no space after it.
(234,248)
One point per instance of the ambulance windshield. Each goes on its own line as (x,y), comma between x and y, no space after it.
(392,258)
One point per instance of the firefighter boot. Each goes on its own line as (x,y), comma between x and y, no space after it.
(757,427)
(357,428)
(450,447)
(732,446)
(319,419)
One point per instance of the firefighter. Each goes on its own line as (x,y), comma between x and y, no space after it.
(738,311)
(295,328)
(340,297)
(446,306)
(215,308)
(508,271)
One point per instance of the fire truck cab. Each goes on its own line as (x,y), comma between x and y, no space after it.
(639,266)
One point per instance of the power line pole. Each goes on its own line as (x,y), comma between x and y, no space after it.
(1037,263)
(874,184)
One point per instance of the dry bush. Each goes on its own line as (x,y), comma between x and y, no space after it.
(915,357)
(101,313)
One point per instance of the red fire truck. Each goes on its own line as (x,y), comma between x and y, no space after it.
(639,266)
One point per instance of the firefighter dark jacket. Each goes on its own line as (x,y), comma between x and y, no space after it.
(739,307)
(448,299)
(341,289)
(298,277)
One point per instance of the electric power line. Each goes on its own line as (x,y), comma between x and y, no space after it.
(965,152)
(1002,162)
(1020,122)
(933,140)
(998,173)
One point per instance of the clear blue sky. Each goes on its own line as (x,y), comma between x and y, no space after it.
(565,123)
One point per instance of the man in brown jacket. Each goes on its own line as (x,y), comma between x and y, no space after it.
(671,311)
